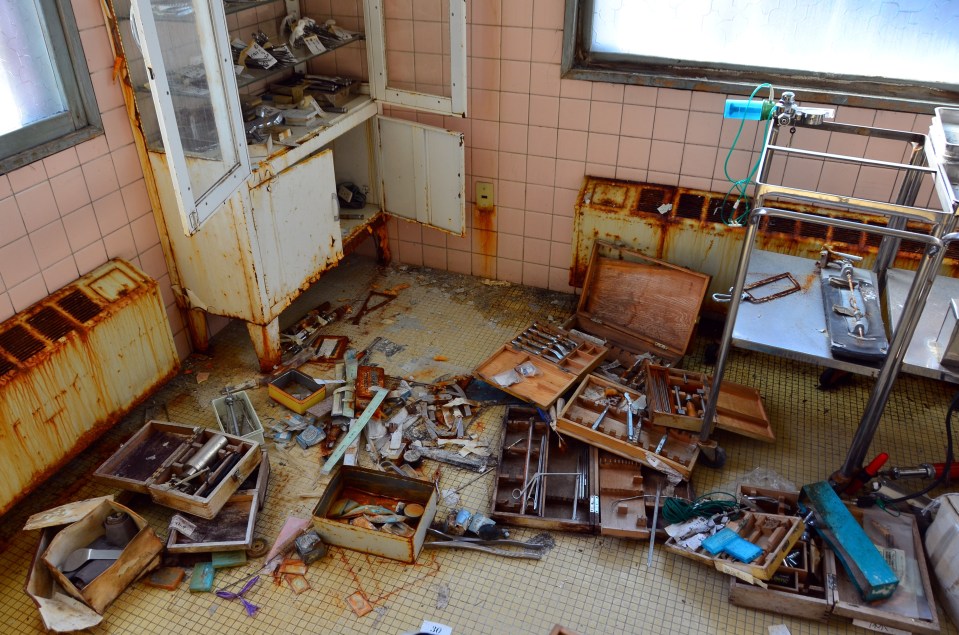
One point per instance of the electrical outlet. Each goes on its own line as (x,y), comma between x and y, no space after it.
(484,195)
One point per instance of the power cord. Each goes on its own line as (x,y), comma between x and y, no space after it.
(678,510)
(742,184)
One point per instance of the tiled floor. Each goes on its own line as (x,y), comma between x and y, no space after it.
(589,584)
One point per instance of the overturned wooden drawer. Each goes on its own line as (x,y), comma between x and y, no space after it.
(587,490)
(551,373)
(664,449)
(231,530)
(159,454)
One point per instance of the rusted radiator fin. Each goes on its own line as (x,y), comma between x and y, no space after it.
(79,306)
(51,323)
(18,341)
(6,366)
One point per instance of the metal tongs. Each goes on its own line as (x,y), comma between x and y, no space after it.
(531,550)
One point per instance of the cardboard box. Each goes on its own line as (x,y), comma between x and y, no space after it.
(156,454)
(138,556)
(297,391)
(371,486)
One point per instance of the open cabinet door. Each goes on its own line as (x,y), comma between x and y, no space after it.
(422,173)
(189,65)
(417,54)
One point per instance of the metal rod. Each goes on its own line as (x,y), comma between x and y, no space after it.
(652,531)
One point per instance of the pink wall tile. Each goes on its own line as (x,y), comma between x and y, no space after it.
(509,270)
(410,253)
(70,190)
(399,35)
(37,206)
(560,254)
(81,227)
(543,110)
(88,14)
(484,74)
(548,14)
(605,117)
(60,274)
(873,183)
(517,43)
(547,46)
(513,137)
(694,182)
(698,161)
(485,163)
(126,162)
(542,141)
(537,225)
(434,237)
(516,76)
(485,135)
(11,225)
(153,262)
(536,250)
(509,246)
(562,230)
(5,188)
(484,104)
(518,12)
(485,41)
(116,125)
(574,114)
(559,280)
(17,262)
(61,162)
(145,233)
(512,167)
(50,244)
(120,244)
(564,201)
(434,257)
(670,124)
(541,170)
(544,79)
(28,292)
(571,144)
(631,174)
(509,221)
(634,153)
(535,275)
(92,149)
(672,98)
(6,306)
(608,92)
(100,177)
(858,116)
(663,178)
(514,108)
(110,212)
(665,156)
(511,194)
(601,170)
(483,265)
(539,198)
(713,103)
(28,176)
(575,89)
(602,148)
(839,178)
(703,128)
(136,200)
(96,48)
(802,173)
(410,232)
(569,174)
(488,12)
(637,121)
(459,261)
(640,95)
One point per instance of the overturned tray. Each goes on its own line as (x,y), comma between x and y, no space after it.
(155,455)
(231,530)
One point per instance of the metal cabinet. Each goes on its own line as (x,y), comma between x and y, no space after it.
(246,229)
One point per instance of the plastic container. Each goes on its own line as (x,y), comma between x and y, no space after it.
(942,549)
(753,110)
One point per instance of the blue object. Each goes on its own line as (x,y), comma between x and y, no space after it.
(310,436)
(729,542)
(202,578)
(744,109)
(718,541)
(866,567)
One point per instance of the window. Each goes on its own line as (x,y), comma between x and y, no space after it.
(896,55)
(46,98)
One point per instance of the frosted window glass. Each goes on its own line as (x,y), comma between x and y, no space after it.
(907,40)
(29,86)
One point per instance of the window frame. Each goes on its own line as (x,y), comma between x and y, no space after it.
(578,63)
(82,120)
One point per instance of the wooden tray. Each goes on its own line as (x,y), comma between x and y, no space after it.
(678,455)
(740,408)
(613,500)
(231,530)
(638,304)
(760,529)
(554,377)
(155,454)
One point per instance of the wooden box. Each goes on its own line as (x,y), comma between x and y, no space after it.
(768,500)
(231,530)
(137,556)
(613,496)
(679,449)
(259,481)
(157,454)
(676,399)
(773,533)
(555,373)
(638,305)
(297,391)
(371,487)
(834,594)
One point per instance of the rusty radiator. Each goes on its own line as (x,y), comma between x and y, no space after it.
(683,226)
(72,365)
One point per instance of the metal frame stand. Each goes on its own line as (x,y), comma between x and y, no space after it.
(922,162)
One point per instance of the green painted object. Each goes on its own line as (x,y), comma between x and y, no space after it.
(202,578)
(227,559)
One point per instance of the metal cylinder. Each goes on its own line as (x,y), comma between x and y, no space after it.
(205,455)
(119,529)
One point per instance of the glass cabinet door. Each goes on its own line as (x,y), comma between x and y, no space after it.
(189,68)
(418,54)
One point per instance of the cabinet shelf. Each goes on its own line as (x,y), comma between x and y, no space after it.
(235,6)
(302,54)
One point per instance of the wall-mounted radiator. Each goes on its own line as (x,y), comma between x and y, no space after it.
(72,365)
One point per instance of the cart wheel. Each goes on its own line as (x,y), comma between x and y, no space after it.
(714,458)
(832,378)
(257,548)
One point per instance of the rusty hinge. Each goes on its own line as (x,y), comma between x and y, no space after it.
(661,346)
(194,219)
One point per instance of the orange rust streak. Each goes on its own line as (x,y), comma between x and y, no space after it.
(484,223)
